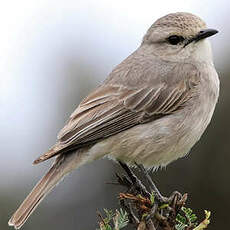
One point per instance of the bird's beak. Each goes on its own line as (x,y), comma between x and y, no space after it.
(205,34)
(201,35)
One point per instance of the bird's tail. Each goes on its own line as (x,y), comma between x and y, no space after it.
(63,165)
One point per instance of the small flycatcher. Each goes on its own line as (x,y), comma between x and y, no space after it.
(151,109)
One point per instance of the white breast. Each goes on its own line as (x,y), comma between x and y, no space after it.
(203,52)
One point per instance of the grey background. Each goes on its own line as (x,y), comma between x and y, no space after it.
(52,54)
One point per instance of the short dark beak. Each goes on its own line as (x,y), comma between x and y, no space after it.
(205,34)
(201,35)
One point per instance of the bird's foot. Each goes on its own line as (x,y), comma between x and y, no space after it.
(161,199)
(132,182)
(147,208)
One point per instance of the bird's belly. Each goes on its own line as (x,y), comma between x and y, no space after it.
(156,143)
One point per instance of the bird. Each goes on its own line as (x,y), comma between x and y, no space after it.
(150,110)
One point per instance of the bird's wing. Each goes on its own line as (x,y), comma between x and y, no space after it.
(113,108)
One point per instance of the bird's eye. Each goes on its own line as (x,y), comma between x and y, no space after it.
(174,39)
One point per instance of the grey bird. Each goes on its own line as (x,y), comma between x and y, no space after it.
(151,109)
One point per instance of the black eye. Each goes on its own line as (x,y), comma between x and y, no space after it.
(174,39)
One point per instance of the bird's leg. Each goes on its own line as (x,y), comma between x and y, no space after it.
(135,181)
(153,187)
(174,196)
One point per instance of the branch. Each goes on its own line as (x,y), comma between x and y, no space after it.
(147,209)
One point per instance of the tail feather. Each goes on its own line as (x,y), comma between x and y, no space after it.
(63,165)
(35,197)
(51,153)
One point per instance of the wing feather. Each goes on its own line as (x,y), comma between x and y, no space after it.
(113,108)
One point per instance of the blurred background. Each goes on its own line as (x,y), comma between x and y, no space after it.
(52,54)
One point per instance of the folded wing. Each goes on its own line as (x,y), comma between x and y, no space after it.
(113,108)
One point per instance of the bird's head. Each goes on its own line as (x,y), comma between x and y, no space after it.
(179,36)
